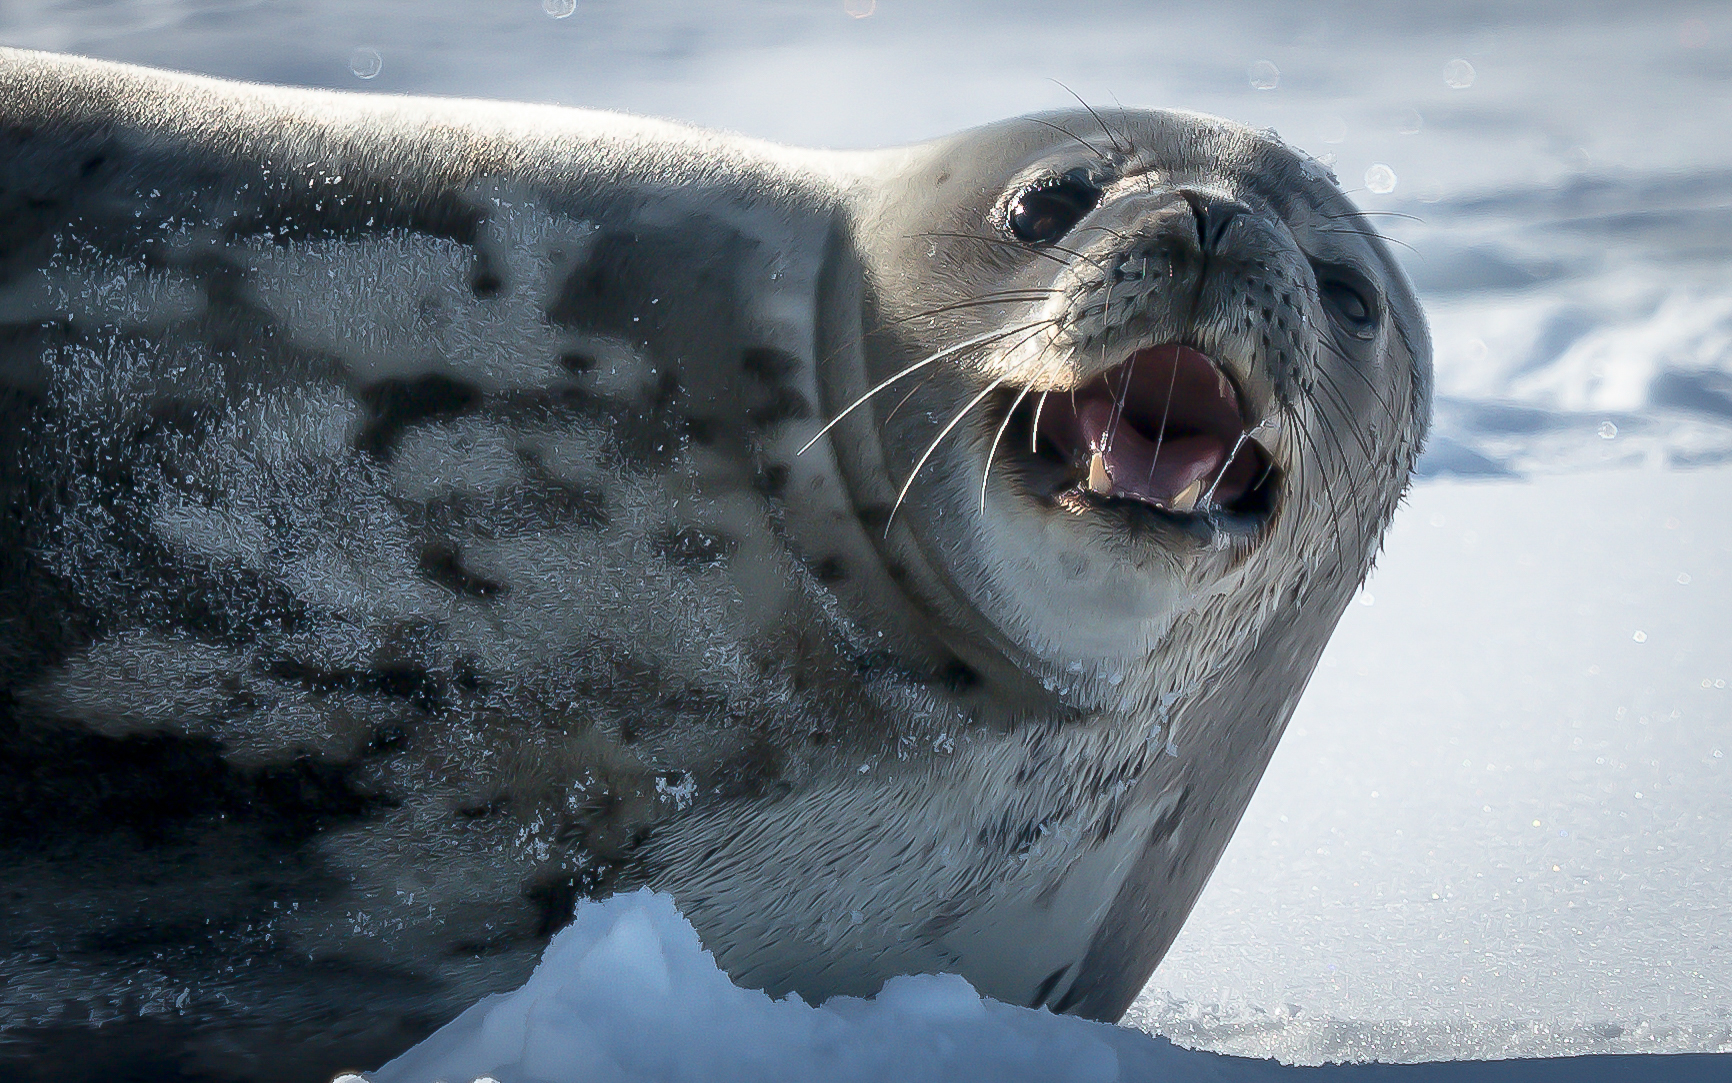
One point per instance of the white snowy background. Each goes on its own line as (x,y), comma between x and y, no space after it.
(1501,823)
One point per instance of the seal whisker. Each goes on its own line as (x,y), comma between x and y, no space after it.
(1209,497)
(1166,412)
(1096,151)
(1374,235)
(1029,293)
(1328,492)
(1388,407)
(1034,430)
(1339,400)
(1371,214)
(1110,134)
(1045,251)
(948,351)
(1353,482)
(992,449)
(936,440)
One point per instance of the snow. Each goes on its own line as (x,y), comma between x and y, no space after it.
(1571,247)
(626,993)
(1498,824)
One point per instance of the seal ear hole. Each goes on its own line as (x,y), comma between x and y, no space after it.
(1047,210)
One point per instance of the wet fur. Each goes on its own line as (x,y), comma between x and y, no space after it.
(409,535)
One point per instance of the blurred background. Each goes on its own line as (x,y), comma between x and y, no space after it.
(1501,823)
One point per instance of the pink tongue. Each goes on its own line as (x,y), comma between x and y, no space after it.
(1133,465)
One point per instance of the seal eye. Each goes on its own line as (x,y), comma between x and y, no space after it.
(1044,213)
(1348,306)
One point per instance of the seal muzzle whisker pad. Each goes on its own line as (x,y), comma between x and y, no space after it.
(430,514)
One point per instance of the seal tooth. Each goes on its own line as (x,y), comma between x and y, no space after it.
(1100,481)
(1187,498)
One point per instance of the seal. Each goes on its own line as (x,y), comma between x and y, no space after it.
(423,515)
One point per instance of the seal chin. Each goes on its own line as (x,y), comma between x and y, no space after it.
(1165,435)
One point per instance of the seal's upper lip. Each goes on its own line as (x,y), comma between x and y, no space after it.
(1165,429)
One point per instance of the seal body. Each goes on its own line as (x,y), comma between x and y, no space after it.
(423,515)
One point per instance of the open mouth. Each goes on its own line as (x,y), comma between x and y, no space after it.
(1165,430)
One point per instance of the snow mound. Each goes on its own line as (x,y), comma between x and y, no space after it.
(627,993)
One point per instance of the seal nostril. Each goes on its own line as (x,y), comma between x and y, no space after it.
(1213,213)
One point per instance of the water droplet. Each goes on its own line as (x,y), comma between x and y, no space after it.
(1410,123)
(559,9)
(1380,179)
(1684,578)
(366,62)
(1458,74)
(859,9)
(1640,637)
(1264,75)
(1607,430)
(1368,599)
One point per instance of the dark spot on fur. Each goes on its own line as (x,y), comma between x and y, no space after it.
(1169,820)
(407,682)
(1046,986)
(494,945)
(752,773)
(57,784)
(818,738)
(466,675)
(90,165)
(769,364)
(958,677)
(538,504)
(830,570)
(398,404)
(694,547)
(386,739)
(785,405)
(702,430)
(486,284)
(482,811)
(442,563)
(577,362)
(874,517)
(772,480)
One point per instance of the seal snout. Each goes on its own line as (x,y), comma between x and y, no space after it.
(1164,429)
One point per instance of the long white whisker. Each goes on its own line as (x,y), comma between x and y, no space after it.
(948,351)
(986,475)
(939,439)
(1034,431)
